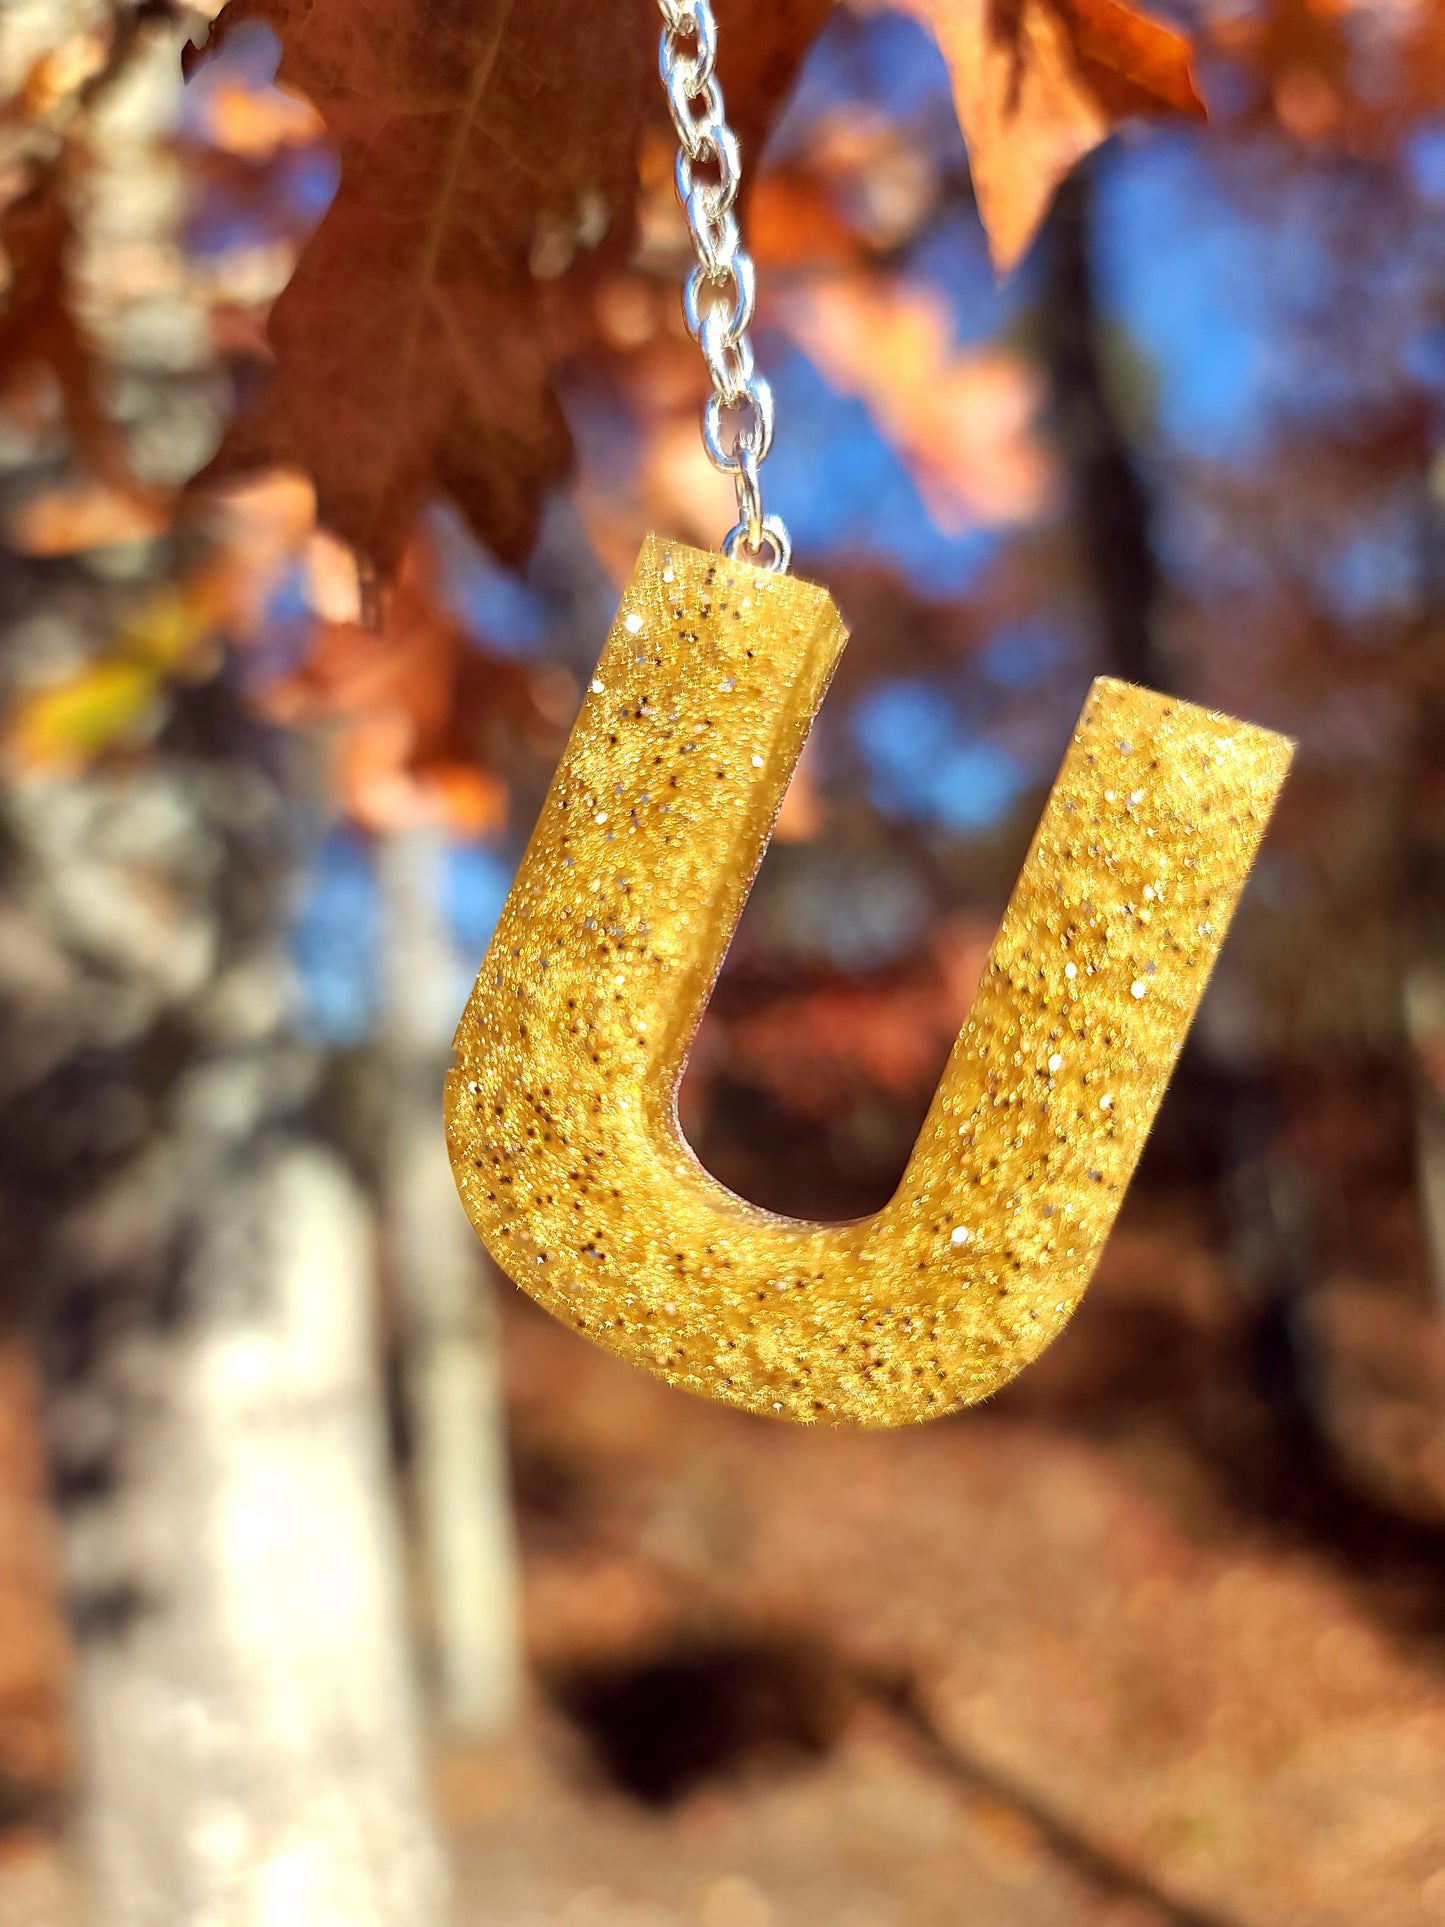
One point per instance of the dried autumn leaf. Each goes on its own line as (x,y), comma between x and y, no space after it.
(405,704)
(253,122)
(488,172)
(84,516)
(1038,84)
(962,419)
(794,223)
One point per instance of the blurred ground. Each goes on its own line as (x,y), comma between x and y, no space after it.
(1075,1657)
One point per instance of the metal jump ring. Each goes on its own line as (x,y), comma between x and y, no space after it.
(776,537)
(747,485)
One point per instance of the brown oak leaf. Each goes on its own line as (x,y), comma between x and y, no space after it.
(488,153)
(411,705)
(1038,84)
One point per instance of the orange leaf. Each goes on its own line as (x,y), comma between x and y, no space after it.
(254,122)
(795,223)
(489,158)
(471,800)
(1038,84)
(89,515)
(406,707)
(961,418)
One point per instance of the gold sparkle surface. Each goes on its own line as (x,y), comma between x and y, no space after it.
(561,1109)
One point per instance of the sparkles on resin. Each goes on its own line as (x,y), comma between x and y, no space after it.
(561,1111)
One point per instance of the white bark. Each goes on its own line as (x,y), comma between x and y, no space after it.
(249,1723)
(447,1292)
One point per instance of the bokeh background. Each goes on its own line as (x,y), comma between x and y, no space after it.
(338,1587)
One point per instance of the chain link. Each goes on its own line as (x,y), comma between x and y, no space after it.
(721,290)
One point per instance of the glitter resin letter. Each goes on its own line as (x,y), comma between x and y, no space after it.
(561,1110)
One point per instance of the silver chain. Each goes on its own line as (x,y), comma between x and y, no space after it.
(721,289)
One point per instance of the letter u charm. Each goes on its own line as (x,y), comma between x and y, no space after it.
(561,1110)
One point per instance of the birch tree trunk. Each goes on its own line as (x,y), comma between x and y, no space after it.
(248,1716)
(446,1288)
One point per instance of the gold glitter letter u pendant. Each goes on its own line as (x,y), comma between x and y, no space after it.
(561,1109)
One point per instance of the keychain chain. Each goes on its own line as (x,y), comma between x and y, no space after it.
(721,290)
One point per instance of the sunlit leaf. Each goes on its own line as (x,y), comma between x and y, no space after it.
(1038,84)
(963,419)
(485,180)
(254,122)
(405,707)
(71,521)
